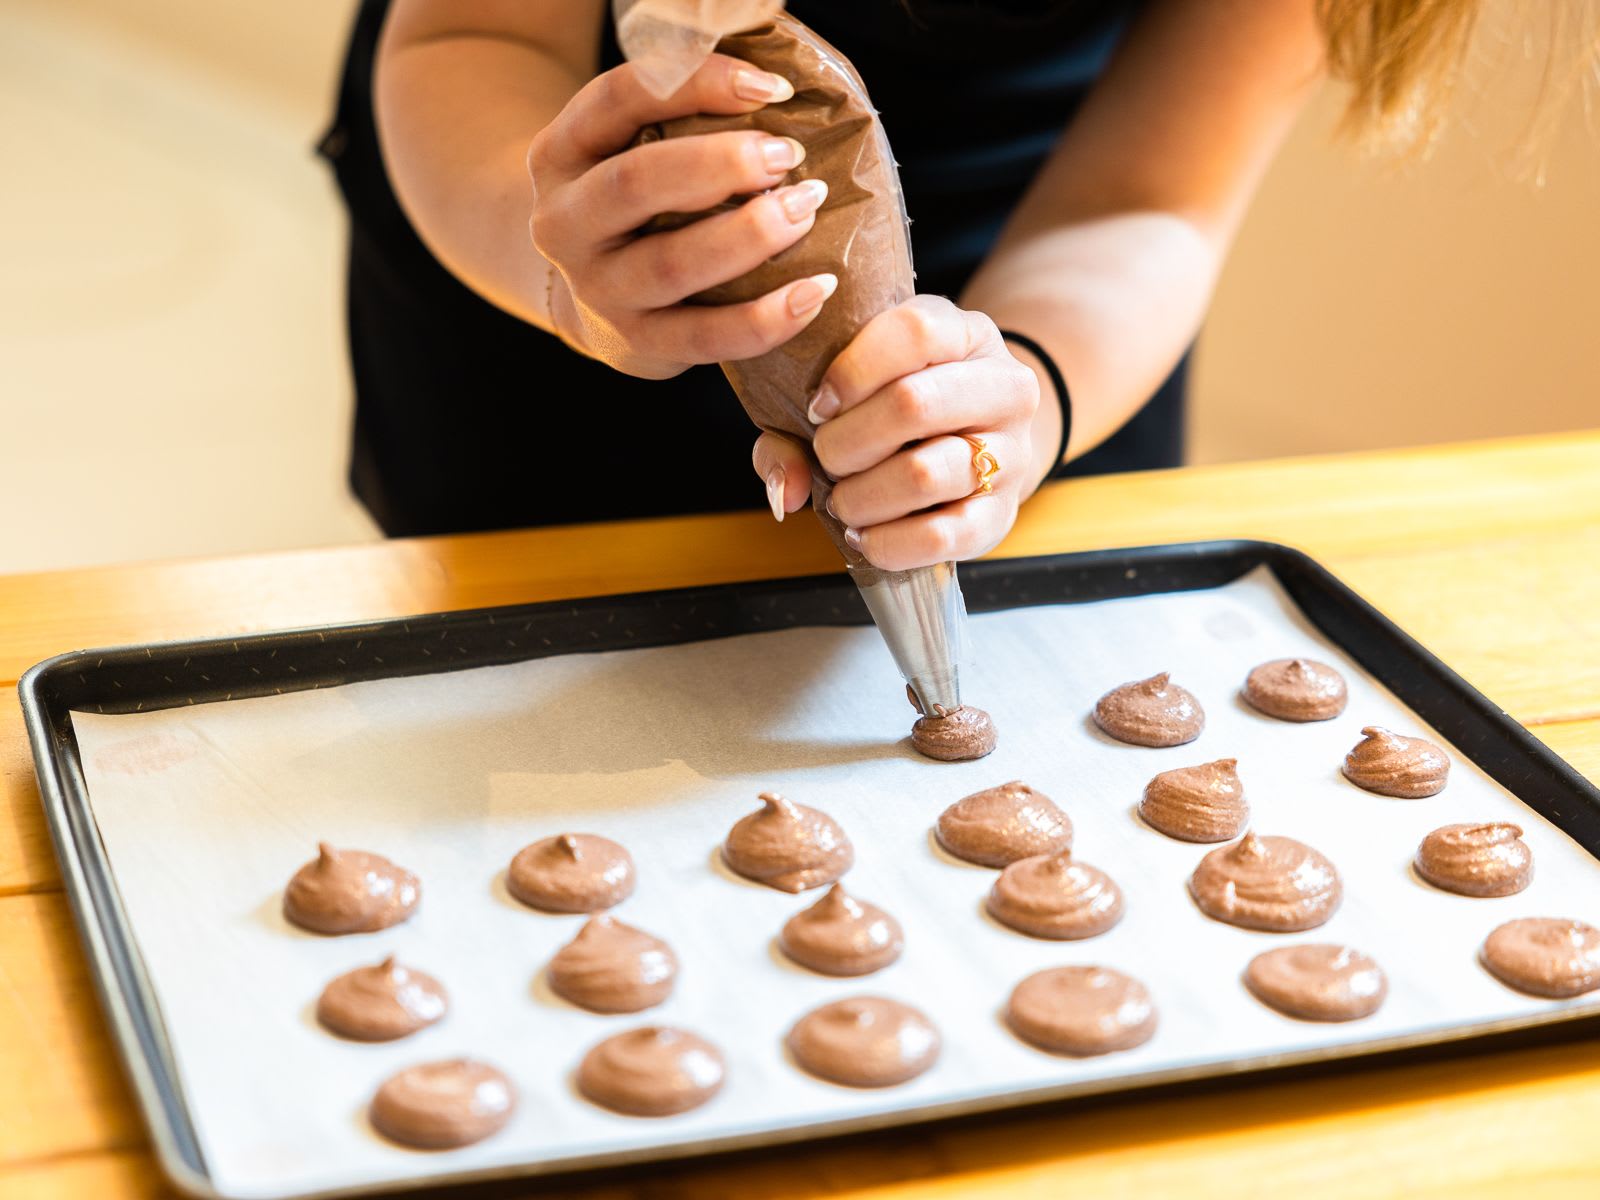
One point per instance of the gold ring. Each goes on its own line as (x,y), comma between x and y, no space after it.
(984,464)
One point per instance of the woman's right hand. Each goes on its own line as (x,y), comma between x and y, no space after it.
(617,296)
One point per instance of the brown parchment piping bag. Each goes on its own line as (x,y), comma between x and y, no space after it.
(861,235)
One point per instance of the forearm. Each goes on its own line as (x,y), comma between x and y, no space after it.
(456,113)
(1110,259)
(1115,300)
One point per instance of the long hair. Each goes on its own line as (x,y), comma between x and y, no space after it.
(1404,60)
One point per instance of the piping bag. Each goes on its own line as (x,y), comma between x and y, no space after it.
(861,235)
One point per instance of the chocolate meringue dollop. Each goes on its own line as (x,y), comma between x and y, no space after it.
(1296,689)
(611,967)
(381,1003)
(350,891)
(840,935)
(653,1071)
(999,825)
(1317,982)
(1197,804)
(1487,858)
(1545,956)
(572,873)
(1392,765)
(864,1041)
(1150,712)
(1271,883)
(442,1105)
(958,736)
(1052,896)
(788,846)
(1082,1011)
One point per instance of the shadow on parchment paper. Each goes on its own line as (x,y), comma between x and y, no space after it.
(634,711)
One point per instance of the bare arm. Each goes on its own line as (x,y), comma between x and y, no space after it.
(516,164)
(1110,260)
(461,87)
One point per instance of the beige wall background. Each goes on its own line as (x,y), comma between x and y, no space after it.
(171,355)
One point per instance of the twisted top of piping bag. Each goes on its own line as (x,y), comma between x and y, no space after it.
(667,40)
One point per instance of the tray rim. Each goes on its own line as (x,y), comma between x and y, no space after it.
(146,1060)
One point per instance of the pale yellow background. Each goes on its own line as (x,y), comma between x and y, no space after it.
(171,358)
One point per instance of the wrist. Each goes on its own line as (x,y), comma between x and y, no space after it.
(1052,421)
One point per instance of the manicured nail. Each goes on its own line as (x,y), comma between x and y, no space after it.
(781,154)
(776,478)
(852,538)
(807,296)
(824,405)
(803,199)
(751,84)
(828,507)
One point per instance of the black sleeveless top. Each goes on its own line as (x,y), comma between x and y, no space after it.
(467,418)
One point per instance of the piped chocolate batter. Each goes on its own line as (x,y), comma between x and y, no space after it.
(1150,712)
(788,846)
(572,873)
(350,891)
(1296,689)
(1545,956)
(1317,982)
(1082,1011)
(999,825)
(1197,804)
(653,1071)
(1052,896)
(611,967)
(840,935)
(1487,858)
(381,1003)
(864,1041)
(443,1105)
(1392,765)
(959,736)
(1271,883)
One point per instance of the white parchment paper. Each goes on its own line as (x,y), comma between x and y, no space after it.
(206,811)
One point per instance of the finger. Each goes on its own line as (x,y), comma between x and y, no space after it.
(607,112)
(664,268)
(935,472)
(729,332)
(958,397)
(951,532)
(785,470)
(679,175)
(922,331)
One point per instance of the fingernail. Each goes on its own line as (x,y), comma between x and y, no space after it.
(750,84)
(828,507)
(852,538)
(824,405)
(776,478)
(803,199)
(781,154)
(807,296)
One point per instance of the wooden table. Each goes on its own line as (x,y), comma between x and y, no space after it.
(1489,553)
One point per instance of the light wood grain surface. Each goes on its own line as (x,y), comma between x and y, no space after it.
(1489,553)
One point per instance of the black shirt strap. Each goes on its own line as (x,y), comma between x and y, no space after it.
(1063,396)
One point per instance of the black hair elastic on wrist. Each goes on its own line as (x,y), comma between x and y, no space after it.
(1063,397)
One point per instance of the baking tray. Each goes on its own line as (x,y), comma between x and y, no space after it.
(131,679)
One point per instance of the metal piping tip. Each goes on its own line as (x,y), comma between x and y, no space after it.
(923,619)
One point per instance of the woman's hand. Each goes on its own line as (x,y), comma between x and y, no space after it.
(890,409)
(617,296)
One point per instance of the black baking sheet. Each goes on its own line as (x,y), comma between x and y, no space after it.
(136,678)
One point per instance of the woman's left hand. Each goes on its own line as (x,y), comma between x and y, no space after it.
(889,412)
